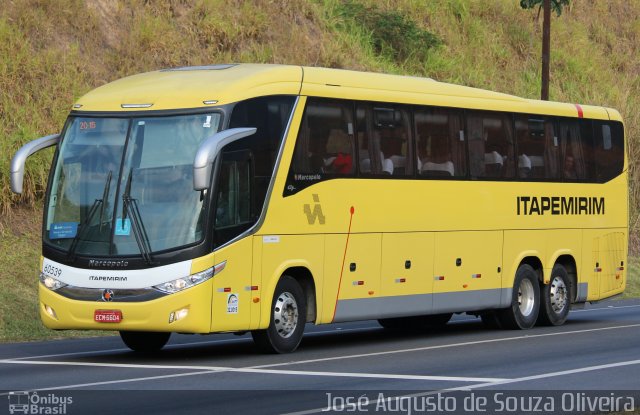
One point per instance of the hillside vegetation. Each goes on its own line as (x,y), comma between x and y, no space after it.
(53,51)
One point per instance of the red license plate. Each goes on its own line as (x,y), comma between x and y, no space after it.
(108,316)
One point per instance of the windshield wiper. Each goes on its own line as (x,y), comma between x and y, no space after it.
(130,206)
(105,195)
(87,220)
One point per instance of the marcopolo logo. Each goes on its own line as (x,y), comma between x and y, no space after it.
(33,403)
(316,213)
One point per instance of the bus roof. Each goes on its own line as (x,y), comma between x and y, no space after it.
(214,85)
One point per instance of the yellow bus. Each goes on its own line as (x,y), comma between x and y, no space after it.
(234,198)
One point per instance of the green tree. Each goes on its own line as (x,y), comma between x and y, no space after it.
(545,5)
(556,5)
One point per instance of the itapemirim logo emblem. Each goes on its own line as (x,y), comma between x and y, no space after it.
(316,213)
(32,403)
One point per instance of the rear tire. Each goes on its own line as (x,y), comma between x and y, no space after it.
(556,298)
(144,341)
(525,301)
(288,317)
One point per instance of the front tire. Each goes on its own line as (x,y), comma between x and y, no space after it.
(288,317)
(144,341)
(556,298)
(525,301)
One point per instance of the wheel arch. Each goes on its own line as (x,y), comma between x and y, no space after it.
(569,264)
(305,279)
(529,257)
(535,263)
(301,272)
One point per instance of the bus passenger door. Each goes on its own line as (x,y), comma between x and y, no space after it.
(466,276)
(231,308)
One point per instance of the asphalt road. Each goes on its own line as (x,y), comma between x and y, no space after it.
(594,359)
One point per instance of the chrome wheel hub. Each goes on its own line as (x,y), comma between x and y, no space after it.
(526,297)
(558,295)
(285,314)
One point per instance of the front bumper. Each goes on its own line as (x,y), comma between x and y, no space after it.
(153,315)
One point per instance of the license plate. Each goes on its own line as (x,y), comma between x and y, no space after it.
(108,316)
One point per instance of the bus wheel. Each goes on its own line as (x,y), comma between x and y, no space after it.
(525,301)
(556,298)
(288,316)
(144,341)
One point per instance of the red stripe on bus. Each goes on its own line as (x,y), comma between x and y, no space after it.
(344,257)
(580,112)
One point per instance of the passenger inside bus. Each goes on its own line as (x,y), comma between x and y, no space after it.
(338,156)
(436,158)
(569,171)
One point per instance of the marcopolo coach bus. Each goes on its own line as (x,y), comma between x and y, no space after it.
(234,198)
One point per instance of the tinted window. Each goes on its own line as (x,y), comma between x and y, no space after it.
(490,144)
(325,142)
(538,147)
(609,149)
(269,115)
(383,139)
(576,150)
(449,143)
(440,143)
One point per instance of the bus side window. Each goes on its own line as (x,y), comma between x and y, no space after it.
(537,147)
(325,143)
(384,140)
(269,115)
(476,144)
(392,129)
(234,195)
(440,142)
(609,150)
(370,157)
(491,144)
(576,150)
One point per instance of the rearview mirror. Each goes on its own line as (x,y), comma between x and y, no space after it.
(20,158)
(208,151)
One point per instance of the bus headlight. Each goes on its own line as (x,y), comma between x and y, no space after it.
(180,284)
(50,282)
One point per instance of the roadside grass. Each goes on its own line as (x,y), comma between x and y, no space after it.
(633,278)
(19,270)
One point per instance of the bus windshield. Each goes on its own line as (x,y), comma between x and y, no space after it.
(123,186)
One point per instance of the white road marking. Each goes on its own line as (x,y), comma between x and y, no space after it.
(554,374)
(212,342)
(445,346)
(218,369)
(353,356)
(111,382)
(611,307)
(263,368)
(485,382)
(493,384)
